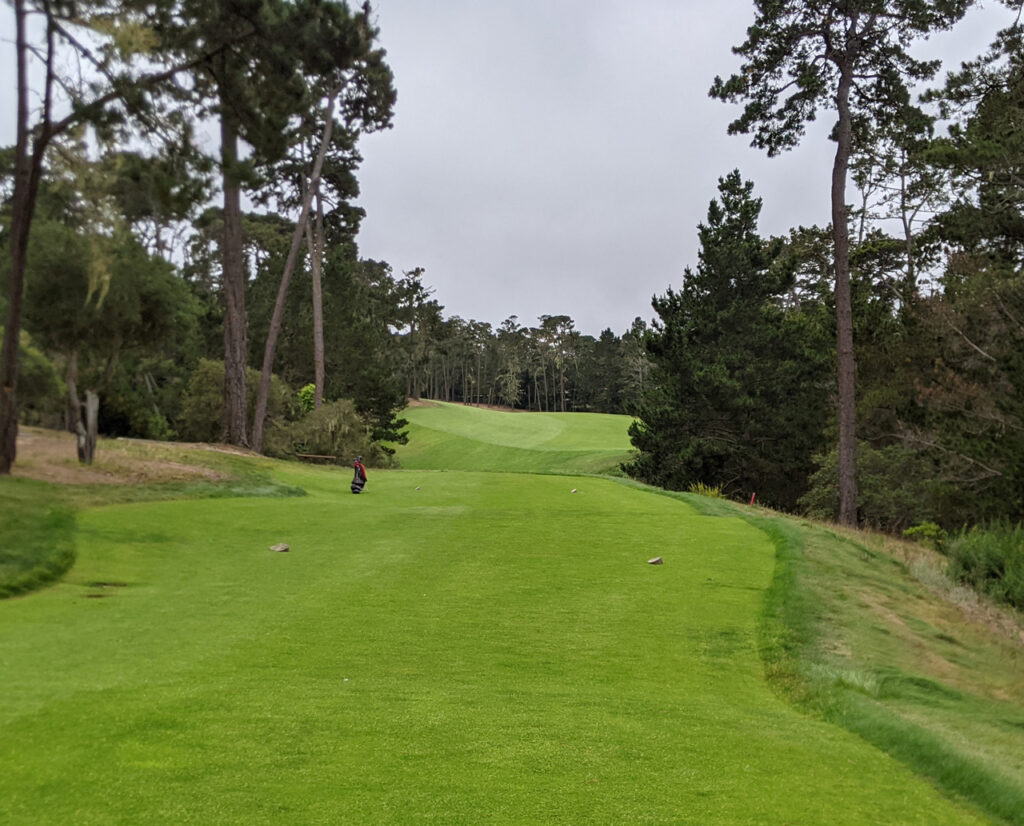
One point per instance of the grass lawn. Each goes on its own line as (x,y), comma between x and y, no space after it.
(466,647)
(489,647)
(461,437)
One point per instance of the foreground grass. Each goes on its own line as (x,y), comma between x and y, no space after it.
(449,647)
(460,437)
(37,531)
(37,539)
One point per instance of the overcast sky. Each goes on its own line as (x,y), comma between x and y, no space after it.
(555,156)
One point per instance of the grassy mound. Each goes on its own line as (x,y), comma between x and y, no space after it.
(457,437)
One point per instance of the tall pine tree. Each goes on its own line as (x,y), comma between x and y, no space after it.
(736,401)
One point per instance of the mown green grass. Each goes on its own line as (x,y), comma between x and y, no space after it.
(460,437)
(851,636)
(461,647)
(37,530)
(487,647)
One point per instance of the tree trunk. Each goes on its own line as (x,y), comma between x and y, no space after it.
(86,426)
(233,284)
(263,395)
(72,412)
(318,303)
(26,185)
(844,312)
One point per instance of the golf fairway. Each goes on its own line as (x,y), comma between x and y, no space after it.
(450,647)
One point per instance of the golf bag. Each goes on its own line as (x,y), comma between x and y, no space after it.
(359,480)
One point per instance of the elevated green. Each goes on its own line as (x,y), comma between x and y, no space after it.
(460,437)
(449,647)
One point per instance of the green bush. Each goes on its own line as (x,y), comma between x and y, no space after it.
(928,533)
(896,488)
(41,390)
(307,397)
(202,405)
(991,560)
(334,429)
(714,491)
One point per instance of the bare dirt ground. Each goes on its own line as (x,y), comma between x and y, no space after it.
(52,456)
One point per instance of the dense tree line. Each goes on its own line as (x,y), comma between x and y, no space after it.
(551,367)
(745,392)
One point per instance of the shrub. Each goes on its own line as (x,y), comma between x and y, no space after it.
(41,390)
(714,491)
(991,560)
(895,488)
(307,397)
(929,534)
(334,429)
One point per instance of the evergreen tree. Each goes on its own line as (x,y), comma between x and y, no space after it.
(851,56)
(736,399)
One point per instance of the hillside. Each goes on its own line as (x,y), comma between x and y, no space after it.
(461,437)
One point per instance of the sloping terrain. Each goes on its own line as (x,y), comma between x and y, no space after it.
(461,437)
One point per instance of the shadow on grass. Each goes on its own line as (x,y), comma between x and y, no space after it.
(38,519)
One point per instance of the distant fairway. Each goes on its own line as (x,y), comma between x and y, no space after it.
(449,647)
(459,437)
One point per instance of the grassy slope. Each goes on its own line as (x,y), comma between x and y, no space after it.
(850,635)
(458,437)
(485,647)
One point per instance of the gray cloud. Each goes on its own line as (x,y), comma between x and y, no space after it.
(555,156)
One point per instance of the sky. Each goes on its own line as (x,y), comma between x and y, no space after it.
(554,157)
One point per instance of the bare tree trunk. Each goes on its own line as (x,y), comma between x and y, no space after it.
(233,283)
(86,427)
(844,312)
(263,395)
(318,301)
(27,167)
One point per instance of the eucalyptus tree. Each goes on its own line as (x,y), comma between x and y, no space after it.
(851,57)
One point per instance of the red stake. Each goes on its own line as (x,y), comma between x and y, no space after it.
(753,496)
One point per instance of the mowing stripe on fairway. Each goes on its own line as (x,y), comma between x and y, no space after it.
(487,647)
